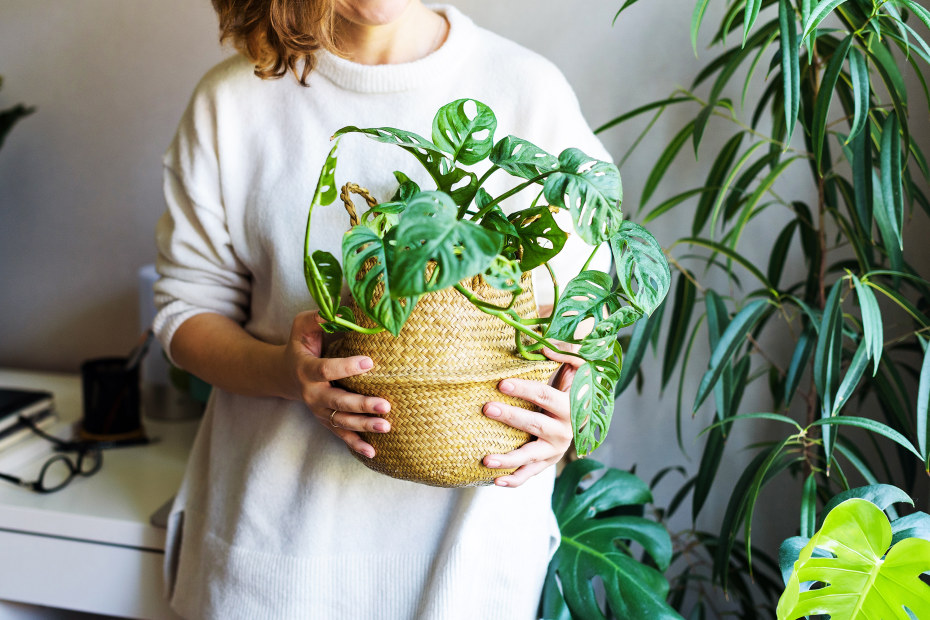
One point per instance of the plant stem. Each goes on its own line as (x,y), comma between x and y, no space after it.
(517,325)
(463,210)
(508,194)
(338,320)
(590,258)
(555,285)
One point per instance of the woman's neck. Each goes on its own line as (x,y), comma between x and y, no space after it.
(416,33)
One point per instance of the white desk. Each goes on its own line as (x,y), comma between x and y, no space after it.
(90,547)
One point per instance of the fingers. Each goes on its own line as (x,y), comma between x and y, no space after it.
(533,422)
(355,442)
(559,356)
(326,369)
(544,396)
(355,422)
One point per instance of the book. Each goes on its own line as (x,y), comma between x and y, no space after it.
(16,402)
(18,431)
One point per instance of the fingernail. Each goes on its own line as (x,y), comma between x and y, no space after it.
(500,482)
(492,463)
(382,408)
(369,453)
(365,364)
(381,427)
(492,411)
(506,387)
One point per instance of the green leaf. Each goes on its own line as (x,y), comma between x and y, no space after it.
(863,579)
(324,194)
(818,13)
(730,341)
(465,130)
(639,257)
(825,95)
(799,360)
(665,160)
(521,158)
(540,236)
(673,202)
(429,232)
(655,105)
(790,65)
(639,341)
(861,147)
(873,331)
(438,163)
(884,220)
(923,399)
(363,253)
(809,506)
(715,182)
(589,296)
(601,343)
(331,273)
(892,192)
(752,12)
(591,190)
(683,307)
(829,352)
(870,425)
(595,535)
(592,403)
(862,92)
(914,525)
(780,252)
(851,379)
(503,274)
(884,496)
(700,7)
(708,468)
(731,254)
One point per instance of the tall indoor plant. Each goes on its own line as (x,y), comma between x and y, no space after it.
(833,100)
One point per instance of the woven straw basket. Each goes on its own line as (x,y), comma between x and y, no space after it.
(438,374)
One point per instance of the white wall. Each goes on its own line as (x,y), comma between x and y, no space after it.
(80,180)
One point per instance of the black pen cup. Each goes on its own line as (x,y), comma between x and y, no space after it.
(111,400)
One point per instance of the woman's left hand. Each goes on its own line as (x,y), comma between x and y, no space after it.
(552,426)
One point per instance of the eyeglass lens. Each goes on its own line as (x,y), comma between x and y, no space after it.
(60,469)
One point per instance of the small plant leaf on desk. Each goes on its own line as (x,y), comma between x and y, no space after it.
(428,240)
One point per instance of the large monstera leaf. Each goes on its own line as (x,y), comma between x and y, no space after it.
(639,258)
(364,254)
(540,236)
(597,524)
(863,580)
(460,184)
(465,130)
(588,296)
(590,189)
(430,233)
(521,158)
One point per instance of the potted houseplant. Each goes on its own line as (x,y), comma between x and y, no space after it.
(852,392)
(453,244)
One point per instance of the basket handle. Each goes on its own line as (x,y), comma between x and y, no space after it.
(346,194)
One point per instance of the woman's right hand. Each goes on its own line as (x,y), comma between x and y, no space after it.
(344,413)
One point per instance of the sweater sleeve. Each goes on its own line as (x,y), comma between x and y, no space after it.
(197,263)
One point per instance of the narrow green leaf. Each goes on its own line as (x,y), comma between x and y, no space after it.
(749,210)
(696,18)
(825,95)
(805,17)
(665,160)
(873,426)
(884,220)
(818,13)
(892,192)
(708,468)
(683,307)
(673,202)
(639,342)
(752,12)
(923,399)
(722,249)
(809,507)
(851,379)
(780,253)
(625,6)
(861,147)
(922,13)
(884,496)
(730,341)
(715,182)
(655,105)
(862,91)
(873,333)
(715,212)
(799,360)
(887,66)
(828,354)
(790,66)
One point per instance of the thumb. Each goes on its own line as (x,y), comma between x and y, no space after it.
(306,329)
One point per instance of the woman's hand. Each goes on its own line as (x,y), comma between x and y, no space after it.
(344,413)
(552,426)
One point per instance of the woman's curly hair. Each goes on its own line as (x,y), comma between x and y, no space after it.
(279,36)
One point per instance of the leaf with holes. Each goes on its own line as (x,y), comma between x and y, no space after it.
(429,232)
(540,236)
(465,130)
(458,183)
(599,344)
(590,297)
(638,256)
(592,404)
(863,578)
(503,274)
(596,527)
(331,273)
(363,253)
(324,194)
(591,190)
(522,158)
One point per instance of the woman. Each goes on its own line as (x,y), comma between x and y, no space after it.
(275,519)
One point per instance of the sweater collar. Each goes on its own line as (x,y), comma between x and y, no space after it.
(404,76)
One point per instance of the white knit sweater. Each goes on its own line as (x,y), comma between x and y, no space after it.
(275,519)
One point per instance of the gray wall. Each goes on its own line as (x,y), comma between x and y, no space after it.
(80,180)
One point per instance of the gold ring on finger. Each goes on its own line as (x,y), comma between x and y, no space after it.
(331,420)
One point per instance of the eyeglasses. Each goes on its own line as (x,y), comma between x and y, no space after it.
(58,471)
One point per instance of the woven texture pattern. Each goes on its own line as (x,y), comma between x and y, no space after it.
(437,375)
